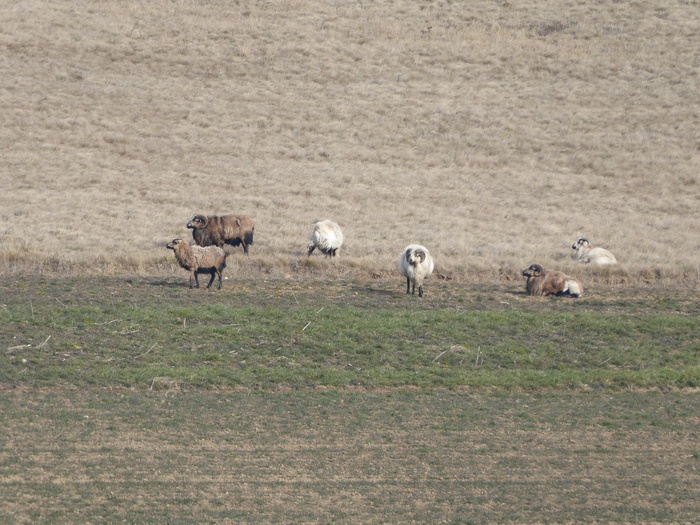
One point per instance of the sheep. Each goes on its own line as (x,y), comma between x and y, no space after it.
(588,254)
(541,282)
(327,237)
(196,259)
(219,230)
(416,264)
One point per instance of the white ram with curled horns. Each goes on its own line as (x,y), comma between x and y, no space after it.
(586,253)
(415,264)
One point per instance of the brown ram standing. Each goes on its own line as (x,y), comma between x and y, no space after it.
(225,229)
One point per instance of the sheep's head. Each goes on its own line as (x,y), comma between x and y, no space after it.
(172,245)
(581,241)
(198,222)
(534,270)
(415,257)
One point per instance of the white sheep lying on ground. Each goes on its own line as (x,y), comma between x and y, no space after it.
(327,237)
(416,264)
(592,254)
(542,282)
(209,260)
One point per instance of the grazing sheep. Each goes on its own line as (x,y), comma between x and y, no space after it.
(219,230)
(210,260)
(327,237)
(589,254)
(416,264)
(541,282)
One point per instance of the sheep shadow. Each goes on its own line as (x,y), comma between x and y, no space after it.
(373,291)
(168,283)
(175,284)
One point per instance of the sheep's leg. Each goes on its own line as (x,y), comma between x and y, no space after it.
(408,285)
(213,274)
(196,279)
(420,291)
(218,272)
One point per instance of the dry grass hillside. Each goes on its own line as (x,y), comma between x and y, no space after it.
(495,133)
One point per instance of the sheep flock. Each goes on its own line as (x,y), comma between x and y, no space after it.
(211,233)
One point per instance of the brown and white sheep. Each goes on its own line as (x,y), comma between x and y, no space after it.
(542,282)
(327,237)
(197,259)
(592,254)
(416,264)
(225,229)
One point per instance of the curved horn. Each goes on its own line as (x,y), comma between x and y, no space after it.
(537,269)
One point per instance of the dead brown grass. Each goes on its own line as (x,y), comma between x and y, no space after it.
(493,133)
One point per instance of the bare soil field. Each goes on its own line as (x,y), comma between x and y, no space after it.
(495,133)
(401,456)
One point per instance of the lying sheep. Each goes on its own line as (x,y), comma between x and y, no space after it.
(416,264)
(589,254)
(219,230)
(210,260)
(327,237)
(541,282)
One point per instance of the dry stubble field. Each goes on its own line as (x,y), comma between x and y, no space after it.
(493,132)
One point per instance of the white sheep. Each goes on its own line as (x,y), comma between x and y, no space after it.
(542,282)
(327,237)
(416,264)
(589,254)
(209,260)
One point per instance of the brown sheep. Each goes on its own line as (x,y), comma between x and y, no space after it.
(219,230)
(541,282)
(209,260)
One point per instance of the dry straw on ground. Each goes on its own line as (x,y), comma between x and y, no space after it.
(493,133)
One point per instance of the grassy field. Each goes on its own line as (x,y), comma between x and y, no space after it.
(316,391)
(306,401)
(141,333)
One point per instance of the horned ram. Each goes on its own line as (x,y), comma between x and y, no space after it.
(543,282)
